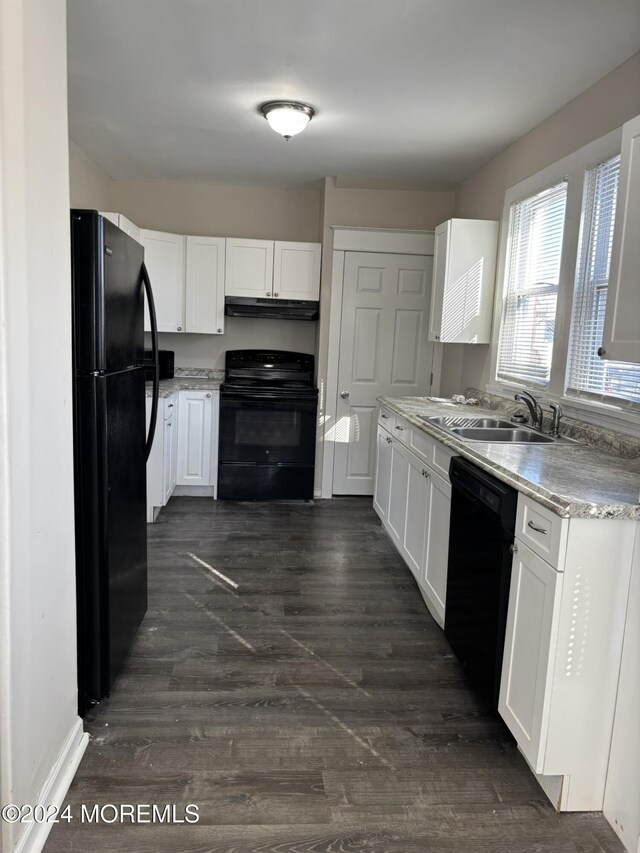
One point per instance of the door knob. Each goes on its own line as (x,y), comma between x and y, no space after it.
(344,394)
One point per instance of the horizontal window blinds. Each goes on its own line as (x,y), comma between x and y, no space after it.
(588,374)
(536,228)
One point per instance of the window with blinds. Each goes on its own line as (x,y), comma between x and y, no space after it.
(589,375)
(536,228)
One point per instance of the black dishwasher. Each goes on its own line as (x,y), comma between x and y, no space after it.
(483,514)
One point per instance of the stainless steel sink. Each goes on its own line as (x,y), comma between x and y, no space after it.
(448,422)
(511,435)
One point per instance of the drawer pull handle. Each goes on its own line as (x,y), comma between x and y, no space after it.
(400,428)
(384,416)
(537,529)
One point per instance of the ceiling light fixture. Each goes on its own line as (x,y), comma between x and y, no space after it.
(287,117)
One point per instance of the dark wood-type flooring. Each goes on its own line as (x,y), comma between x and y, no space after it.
(318,709)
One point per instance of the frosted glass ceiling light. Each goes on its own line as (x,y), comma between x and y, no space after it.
(287,117)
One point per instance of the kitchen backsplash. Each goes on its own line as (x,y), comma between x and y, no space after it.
(627,446)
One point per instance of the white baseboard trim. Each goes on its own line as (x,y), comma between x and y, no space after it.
(55,788)
(195,491)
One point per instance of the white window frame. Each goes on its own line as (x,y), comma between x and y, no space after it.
(624,416)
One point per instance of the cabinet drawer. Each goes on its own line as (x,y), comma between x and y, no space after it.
(386,419)
(441,459)
(402,431)
(435,454)
(543,531)
(422,445)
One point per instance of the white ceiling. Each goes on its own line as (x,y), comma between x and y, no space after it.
(404,89)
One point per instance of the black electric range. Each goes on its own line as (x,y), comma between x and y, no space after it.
(268,416)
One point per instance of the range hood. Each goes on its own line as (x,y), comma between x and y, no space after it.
(270,309)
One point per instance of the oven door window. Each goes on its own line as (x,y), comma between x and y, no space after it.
(267,431)
(273,429)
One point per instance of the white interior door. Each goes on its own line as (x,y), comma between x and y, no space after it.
(384,351)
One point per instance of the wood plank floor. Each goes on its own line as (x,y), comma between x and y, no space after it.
(317,709)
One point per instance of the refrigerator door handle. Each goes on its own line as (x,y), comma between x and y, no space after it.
(156,363)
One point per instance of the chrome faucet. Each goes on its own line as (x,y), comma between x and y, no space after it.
(535,409)
(555,422)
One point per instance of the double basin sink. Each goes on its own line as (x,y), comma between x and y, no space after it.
(491,430)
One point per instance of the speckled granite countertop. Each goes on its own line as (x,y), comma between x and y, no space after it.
(189,379)
(572,480)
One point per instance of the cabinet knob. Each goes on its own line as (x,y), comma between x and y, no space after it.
(208,395)
(267,294)
(602,351)
(437,337)
(179,328)
(275,294)
(513,548)
(219,331)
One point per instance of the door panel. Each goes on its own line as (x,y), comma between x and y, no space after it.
(383,352)
(195,437)
(164,259)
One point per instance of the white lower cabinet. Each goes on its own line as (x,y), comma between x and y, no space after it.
(563,647)
(413,502)
(163,459)
(417,516)
(169,428)
(398,486)
(197,450)
(185,448)
(433,582)
(532,626)
(383,474)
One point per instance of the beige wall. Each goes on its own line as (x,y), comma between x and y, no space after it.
(602,108)
(221,210)
(89,185)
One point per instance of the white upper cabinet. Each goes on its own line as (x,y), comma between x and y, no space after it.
(164,259)
(464,271)
(249,268)
(187,277)
(621,337)
(204,290)
(296,271)
(264,269)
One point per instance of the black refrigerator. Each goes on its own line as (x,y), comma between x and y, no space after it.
(109,282)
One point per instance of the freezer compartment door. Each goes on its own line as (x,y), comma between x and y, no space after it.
(108,300)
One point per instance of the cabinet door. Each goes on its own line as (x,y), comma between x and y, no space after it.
(398,488)
(383,474)
(441,243)
(621,337)
(529,651)
(167,468)
(249,268)
(204,297)
(195,438)
(296,271)
(415,530)
(164,258)
(434,574)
